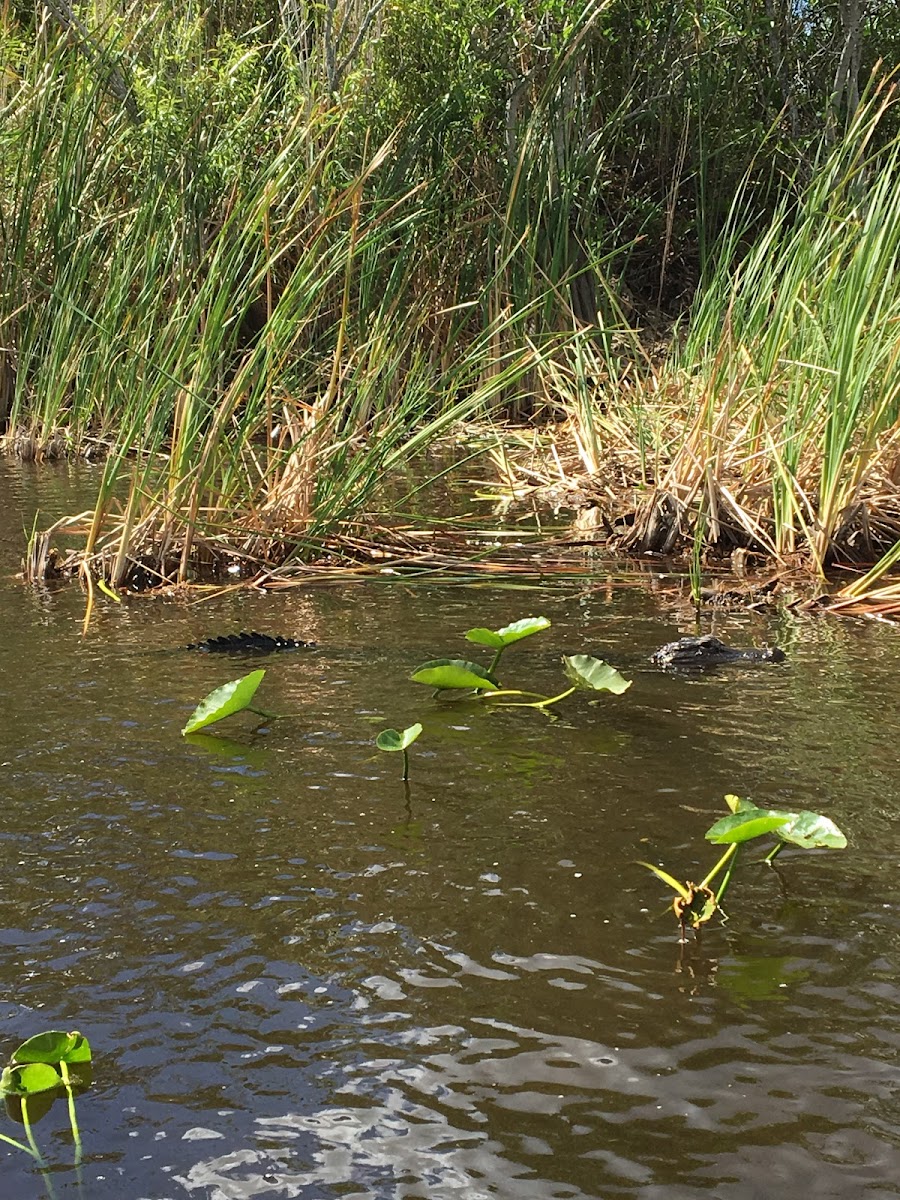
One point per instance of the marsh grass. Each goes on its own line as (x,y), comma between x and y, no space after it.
(256,323)
(772,421)
(257,306)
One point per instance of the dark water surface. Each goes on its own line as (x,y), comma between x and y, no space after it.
(297,984)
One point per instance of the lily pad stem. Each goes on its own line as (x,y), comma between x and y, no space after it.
(555,699)
(727,878)
(507,692)
(70,1096)
(541,702)
(18,1145)
(493,667)
(729,854)
(30,1135)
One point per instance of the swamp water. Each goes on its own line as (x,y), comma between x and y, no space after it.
(298,984)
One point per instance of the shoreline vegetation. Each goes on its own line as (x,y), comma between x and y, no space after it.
(262,259)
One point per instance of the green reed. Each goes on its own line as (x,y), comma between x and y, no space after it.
(254,283)
(784,392)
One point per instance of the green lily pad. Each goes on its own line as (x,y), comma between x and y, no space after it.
(745,824)
(229,698)
(485,637)
(813,832)
(594,675)
(27,1079)
(392,739)
(54,1047)
(446,673)
(496,639)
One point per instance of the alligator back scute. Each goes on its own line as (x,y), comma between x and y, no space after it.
(251,642)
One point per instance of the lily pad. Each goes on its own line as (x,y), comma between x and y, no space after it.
(229,698)
(27,1079)
(54,1047)
(594,675)
(392,739)
(745,824)
(446,673)
(813,832)
(496,639)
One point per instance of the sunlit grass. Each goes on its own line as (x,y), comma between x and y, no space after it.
(259,311)
(257,327)
(773,421)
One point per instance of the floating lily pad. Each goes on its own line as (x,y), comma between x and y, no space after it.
(807,829)
(497,639)
(28,1079)
(54,1047)
(813,832)
(229,698)
(594,675)
(392,739)
(446,673)
(745,824)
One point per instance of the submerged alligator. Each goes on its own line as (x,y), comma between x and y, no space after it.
(249,643)
(707,651)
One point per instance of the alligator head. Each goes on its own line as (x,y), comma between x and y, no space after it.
(709,651)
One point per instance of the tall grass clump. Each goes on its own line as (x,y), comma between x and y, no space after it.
(257,310)
(780,406)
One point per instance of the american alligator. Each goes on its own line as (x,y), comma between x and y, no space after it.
(695,653)
(249,643)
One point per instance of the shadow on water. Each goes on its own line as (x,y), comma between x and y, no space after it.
(302,980)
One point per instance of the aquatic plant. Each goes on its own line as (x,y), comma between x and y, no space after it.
(266,255)
(695,568)
(769,422)
(454,674)
(696,903)
(392,740)
(224,701)
(805,829)
(43,1067)
(584,672)
(253,386)
(785,389)
(459,674)
(499,639)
